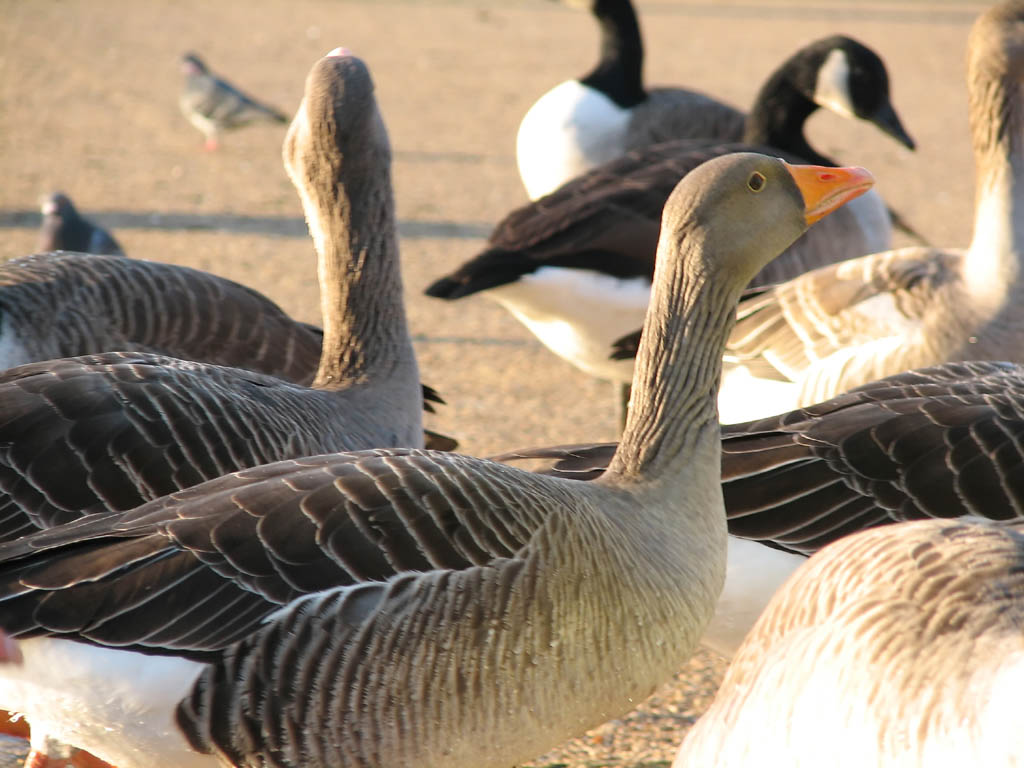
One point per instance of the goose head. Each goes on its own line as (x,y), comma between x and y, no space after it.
(734,214)
(995,73)
(996,43)
(336,143)
(851,80)
(722,223)
(837,73)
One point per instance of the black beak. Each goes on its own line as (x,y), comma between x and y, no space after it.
(885,118)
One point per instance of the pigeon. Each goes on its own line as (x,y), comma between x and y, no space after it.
(213,105)
(64,229)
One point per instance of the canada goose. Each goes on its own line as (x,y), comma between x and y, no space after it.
(586,122)
(480,603)
(213,105)
(69,304)
(937,442)
(583,123)
(575,267)
(899,646)
(65,229)
(843,325)
(109,431)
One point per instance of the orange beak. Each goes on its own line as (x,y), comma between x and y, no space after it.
(825,189)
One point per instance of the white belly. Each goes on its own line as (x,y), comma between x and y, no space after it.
(117,704)
(578,314)
(753,574)
(743,397)
(569,130)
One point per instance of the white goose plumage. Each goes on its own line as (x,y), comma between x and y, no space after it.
(402,607)
(900,646)
(863,319)
(586,122)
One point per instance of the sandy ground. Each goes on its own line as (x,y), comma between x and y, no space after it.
(88,104)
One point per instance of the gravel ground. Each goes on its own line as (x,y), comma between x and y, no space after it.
(88,93)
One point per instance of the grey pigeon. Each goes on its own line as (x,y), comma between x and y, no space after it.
(65,229)
(213,105)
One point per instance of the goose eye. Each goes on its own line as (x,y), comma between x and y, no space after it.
(756,182)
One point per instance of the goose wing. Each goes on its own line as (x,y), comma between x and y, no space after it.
(938,442)
(944,441)
(607,219)
(111,431)
(835,321)
(196,571)
(69,304)
(676,113)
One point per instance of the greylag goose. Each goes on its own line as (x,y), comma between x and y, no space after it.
(402,607)
(68,304)
(843,325)
(937,442)
(575,267)
(112,430)
(213,105)
(65,229)
(899,646)
(586,122)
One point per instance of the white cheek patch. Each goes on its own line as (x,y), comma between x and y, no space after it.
(832,90)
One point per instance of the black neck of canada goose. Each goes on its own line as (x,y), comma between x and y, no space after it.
(619,72)
(852,74)
(995,66)
(338,156)
(784,103)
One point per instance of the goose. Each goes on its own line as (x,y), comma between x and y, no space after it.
(935,442)
(405,607)
(112,430)
(898,646)
(214,105)
(845,324)
(63,304)
(64,229)
(575,266)
(583,123)
(586,122)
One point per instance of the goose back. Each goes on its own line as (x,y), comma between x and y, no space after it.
(66,304)
(902,644)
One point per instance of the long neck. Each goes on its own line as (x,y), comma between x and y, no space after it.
(619,72)
(350,210)
(997,133)
(678,367)
(778,116)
